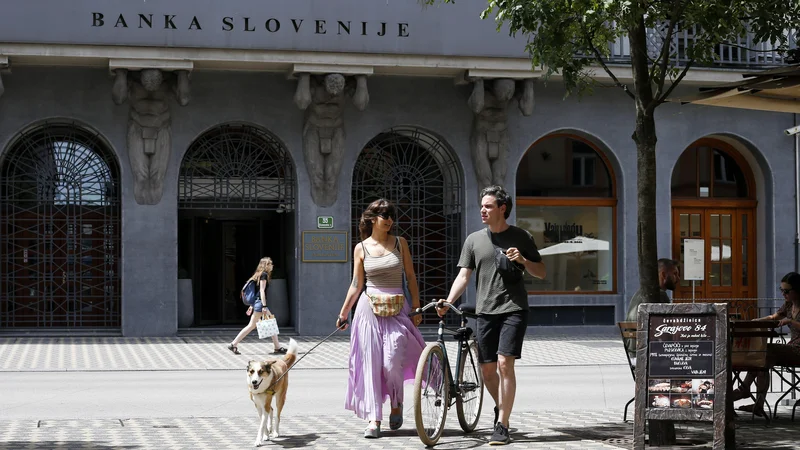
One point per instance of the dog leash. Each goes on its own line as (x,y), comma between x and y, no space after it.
(342,324)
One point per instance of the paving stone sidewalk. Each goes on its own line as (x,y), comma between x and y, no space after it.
(210,353)
(534,430)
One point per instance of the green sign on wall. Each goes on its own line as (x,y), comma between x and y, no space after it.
(325,222)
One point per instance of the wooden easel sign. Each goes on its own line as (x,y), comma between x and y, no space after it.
(682,367)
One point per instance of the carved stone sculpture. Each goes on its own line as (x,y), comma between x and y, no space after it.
(149,125)
(323,98)
(489,137)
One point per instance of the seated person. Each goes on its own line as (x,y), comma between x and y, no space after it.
(668,278)
(777,354)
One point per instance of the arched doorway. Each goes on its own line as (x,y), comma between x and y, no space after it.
(567,199)
(59,230)
(236,197)
(714,199)
(421,175)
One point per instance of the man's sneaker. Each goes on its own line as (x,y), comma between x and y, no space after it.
(500,435)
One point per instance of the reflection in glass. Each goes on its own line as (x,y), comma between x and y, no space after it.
(726,225)
(695,225)
(576,244)
(715,274)
(692,176)
(560,166)
(714,225)
(684,225)
(727,274)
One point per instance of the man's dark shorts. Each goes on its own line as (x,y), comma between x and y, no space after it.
(501,334)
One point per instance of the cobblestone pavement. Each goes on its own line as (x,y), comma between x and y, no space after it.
(209,352)
(534,430)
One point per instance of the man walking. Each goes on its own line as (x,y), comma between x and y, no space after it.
(498,254)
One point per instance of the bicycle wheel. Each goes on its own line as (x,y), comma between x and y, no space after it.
(470,385)
(431,394)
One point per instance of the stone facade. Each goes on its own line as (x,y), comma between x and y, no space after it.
(149,231)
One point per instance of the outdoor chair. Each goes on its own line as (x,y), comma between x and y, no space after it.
(627,331)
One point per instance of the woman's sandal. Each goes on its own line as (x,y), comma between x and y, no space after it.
(280,351)
(234,349)
(396,420)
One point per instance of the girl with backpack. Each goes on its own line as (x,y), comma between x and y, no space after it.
(254,293)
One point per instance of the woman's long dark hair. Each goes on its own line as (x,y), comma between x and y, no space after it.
(379,206)
(793,280)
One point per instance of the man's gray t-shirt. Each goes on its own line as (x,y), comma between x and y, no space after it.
(493,295)
(633,308)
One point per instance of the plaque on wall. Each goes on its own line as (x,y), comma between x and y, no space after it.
(325,246)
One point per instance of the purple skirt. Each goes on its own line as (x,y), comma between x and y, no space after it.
(384,352)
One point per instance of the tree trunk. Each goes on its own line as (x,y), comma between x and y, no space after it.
(661,432)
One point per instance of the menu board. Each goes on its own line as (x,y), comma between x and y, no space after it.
(680,361)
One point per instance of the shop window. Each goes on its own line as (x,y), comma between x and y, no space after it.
(570,213)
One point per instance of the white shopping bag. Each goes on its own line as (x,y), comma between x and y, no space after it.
(267,327)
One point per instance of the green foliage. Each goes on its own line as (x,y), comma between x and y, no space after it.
(569,36)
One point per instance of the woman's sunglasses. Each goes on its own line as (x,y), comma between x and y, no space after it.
(386,216)
(785,291)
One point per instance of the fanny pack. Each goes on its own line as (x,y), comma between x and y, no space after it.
(386,305)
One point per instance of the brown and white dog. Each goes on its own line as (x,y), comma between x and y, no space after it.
(261,376)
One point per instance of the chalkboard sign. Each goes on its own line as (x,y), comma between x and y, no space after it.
(682,366)
(680,361)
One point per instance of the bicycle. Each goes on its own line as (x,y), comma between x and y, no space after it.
(434,386)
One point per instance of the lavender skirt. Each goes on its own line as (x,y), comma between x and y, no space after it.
(384,352)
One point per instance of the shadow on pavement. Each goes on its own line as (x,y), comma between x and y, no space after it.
(57,445)
(294,440)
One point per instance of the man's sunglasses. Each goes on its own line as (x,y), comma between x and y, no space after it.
(785,291)
(386,216)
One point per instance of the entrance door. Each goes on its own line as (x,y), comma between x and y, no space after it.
(224,253)
(729,251)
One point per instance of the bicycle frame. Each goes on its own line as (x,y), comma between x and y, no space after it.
(462,336)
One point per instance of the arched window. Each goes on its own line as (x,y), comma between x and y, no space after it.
(566,199)
(420,174)
(59,230)
(709,169)
(236,166)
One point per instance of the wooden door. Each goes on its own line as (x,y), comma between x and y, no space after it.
(729,251)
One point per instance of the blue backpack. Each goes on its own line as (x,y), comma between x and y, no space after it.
(249,293)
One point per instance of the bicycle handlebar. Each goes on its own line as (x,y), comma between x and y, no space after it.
(432,305)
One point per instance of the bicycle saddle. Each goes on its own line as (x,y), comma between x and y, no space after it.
(469,309)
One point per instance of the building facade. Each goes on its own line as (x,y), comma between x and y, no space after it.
(152,152)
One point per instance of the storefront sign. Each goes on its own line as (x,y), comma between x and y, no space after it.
(694,264)
(395,27)
(325,246)
(324,222)
(682,368)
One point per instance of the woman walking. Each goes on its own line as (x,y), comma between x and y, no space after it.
(262,277)
(385,344)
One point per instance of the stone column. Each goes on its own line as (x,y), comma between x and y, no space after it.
(149,200)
